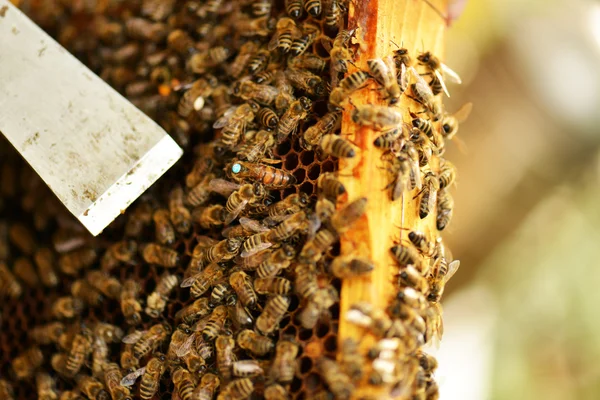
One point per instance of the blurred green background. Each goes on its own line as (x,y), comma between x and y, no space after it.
(521,316)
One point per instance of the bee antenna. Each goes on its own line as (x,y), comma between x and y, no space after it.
(394,43)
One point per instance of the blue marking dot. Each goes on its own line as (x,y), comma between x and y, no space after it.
(236,168)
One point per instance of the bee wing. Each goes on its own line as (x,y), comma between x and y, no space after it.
(391,67)
(270,161)
(253,225)
(242,316)
(133,337)
(223,187)
(224,120)
(420,83)
(438,74)
(463,113)
(186,346)
(256,249)
(248,367)
(450,74)
(314,223)
(129,380)
(236,211)
(206,241)
(187,282)
(452,268)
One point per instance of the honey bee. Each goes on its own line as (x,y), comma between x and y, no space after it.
(25,271)
(285,32)
(258,62)
(224,250)
(336,146)
(247,194)
(122,251)
(438,72)
(156,254)
(9,285)
(270,177)
(284,366)
(275,392)
(238,65)
(27,362)
(351,266)
(6,390)
(165,233)
(193,312)
(202,61)
(99,357)
(200,193)
(139,217)
(224,348)
(306,81)
(352,361)
(48,333)
(346,87)
(222,293)
(216,322)
(428,194)
(181,42)
(450,122)
(445,208)
(91,387)
(413,298)
(248,27)
(285,97)
(294,8)
(112,379)
(300,44)
(209,217)
(254,148)
(272,285)
(367,316)
(74,261)
(200,282)
(142,29)
(441,274)
(384,72)
(81,289)
(105,284)
(130,305)
(348,215)
(319,303)
(434,322)
(184,383)
(312,135)
(194,98)
(288,123)
(273,311)
(422,94)
(308,61)
(262,94)
(157,300)
(151,375)
(290,205)
(267,118)
(254,343)
(234,123)
(410,276)
(46,387)
(22,237)
(179,214)
(338,382)
(67,307)
(333,14)
(378,117)
(128,361)
(314,248)
(147,341)
(278,260)
(340,53)
(237,390)
(406,255)
(242,284)
(207,387)
(329,186)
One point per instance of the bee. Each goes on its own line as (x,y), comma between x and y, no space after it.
(247,194)
(157,300)
(242,284)
(329,186)
(255,147)
(194,98)
(273,311)
(306,81)
(238,65)
(165,233)
(270,177)
(156,254)
(336,146)
(200,282)
(193,312)
(216,322)
(81,348)
(438,72)
(147,341)
(413,298)
(401,58)
(105,284)
(272,285)
(200,193)
(338,382)
(319,303)
(348,215)
(294,8)
(308,61)
(258,62)
(247,368)
(22,237)
(91,387)
(139,217)
(288,123)
(445,208)
(142,29)
(25,271)
(184,383)
(447,174)
(367,316)
(179,214)
(339,51)
(410,276)
(130,305)
(306,284)
(222,251)
(81,289)
(278,260)
(350,266)
(27,362)
(450,122)
(384,72)
(284,366)
(237,390)
(285,96)
(46,387)
(128,361)
(44,260)
(254,342)
(439,277)
(292,204)
(267,118)
(309,33)
(262,94)
(346,87)
(6,390)
(122,251)
(200,62)
(406,255)
(314,248)
(312,135)
(112,379)
(248,27)
(351,360)
(99,357)
(48,333)
(275,392)
(222,293)
(9,285)
(181,42)
(74,261)
(286,229)
(422,94)
(234,123)
(209,217)
(428,194)
(207,387)
(378,117)
(224,348)
(67,307)
(151,375)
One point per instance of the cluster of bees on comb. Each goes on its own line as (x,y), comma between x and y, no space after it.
(223,280)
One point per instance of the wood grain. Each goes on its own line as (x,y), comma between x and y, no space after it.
(415,25)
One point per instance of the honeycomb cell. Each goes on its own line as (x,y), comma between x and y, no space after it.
(300,174)
(322,329)
(314,172)
(306,365)
(331,343)
(307,158)
(291,162)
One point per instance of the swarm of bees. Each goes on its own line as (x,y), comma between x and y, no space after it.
(215,284)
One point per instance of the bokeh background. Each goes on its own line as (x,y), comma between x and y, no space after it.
(522,314)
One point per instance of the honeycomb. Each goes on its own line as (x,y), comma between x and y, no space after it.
(142,66)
